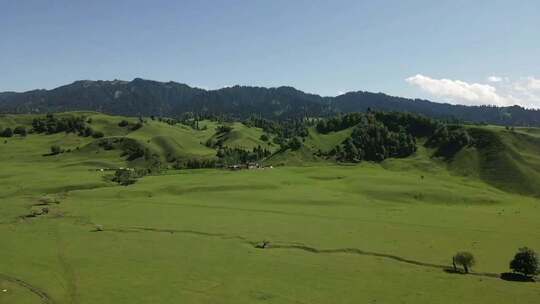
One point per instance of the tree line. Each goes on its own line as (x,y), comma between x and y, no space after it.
(50,124)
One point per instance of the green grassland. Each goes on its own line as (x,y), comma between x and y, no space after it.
(366,233)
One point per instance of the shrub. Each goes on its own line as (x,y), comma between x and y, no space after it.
(264,137)
(20,130)
(465,259)
(56,150)
(98,134)
(124,177)
(87,132)
(223,129)
(123,123)
(525,262)
(8,132)
(136,126)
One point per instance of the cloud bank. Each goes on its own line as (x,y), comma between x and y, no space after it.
(501,91)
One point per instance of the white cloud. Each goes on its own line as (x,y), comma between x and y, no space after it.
(501,92)
(533,84)
(494,79)
(457,90)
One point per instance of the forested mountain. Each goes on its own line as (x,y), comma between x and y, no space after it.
(146,97)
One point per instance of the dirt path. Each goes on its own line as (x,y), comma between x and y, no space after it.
(376,254)
(45,298)
(300,246)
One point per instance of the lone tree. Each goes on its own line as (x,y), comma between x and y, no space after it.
(525,262)
(465,259)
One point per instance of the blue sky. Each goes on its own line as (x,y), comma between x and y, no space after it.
(471,52)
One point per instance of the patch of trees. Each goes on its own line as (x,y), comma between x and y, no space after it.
(134,126)
(291,128)
(449,139)
(50,124)
(221,135)
(268,126)
(7,132)
(414,124)
(172,121)
(132,150)
(20,130)
(371,140)
(228,156)
(294,143)
(195,164)
(223,129)
(123,123)
(98,134)
(126,177)
(338,123)
(285,129)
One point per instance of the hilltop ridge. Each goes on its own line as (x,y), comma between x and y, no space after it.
(148,97)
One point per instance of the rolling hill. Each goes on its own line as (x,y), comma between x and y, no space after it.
(355,230)
(502,157)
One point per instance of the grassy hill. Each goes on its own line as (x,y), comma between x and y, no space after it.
(506,159)
(242,136)
(338,233)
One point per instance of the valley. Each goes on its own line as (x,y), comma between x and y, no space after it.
(332,231)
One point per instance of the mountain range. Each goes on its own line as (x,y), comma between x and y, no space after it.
(147,97)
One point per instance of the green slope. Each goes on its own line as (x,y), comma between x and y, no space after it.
(508,160)
(326,142)
(366,233)
(243,137)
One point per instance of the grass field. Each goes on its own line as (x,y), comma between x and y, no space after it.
(368,233)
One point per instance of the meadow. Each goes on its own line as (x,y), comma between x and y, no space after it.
(365,233)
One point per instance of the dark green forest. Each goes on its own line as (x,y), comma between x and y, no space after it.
(171,99)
